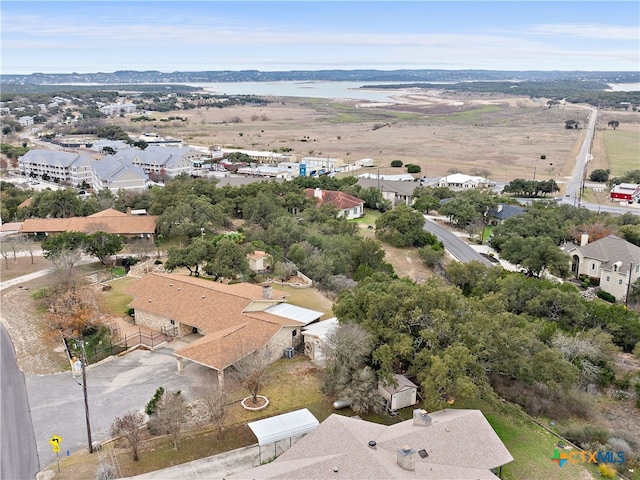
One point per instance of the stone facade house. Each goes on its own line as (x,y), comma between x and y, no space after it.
(612,260)
(229,322)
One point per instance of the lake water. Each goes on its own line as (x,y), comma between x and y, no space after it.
(350,90)
(323,89)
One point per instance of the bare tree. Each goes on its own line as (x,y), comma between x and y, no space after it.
(171,414)
(129,427)
(215,400)
(251,371)
(347,376)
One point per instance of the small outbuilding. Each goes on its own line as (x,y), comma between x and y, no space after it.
(400,396)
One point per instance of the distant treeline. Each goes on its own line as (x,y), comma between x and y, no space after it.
(423,75)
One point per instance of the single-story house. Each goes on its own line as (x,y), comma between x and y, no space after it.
(447,444)
(401,177)
(316,336)
(625,192)
(402,395)
(396,191)
(460,181)
(348,206)
(109,220)
(231,321)
(499,213)
(612,260)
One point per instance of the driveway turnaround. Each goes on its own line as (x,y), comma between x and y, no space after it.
(114,386)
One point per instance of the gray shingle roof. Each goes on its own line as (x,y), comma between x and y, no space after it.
(609,250)
(460,445)
(53,157)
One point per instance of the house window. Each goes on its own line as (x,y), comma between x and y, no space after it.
(593,266)
(615,268)
(608,278)
(637,268)
(620,282)
(294,333)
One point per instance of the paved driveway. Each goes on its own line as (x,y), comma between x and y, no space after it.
(114,387)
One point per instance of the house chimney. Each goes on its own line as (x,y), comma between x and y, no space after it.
(420,418)
(407,458)
(318,193)
(584,239)
(267,291)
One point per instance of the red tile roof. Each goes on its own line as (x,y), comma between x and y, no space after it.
(341,200)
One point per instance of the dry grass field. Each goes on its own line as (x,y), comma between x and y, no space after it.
(438,131)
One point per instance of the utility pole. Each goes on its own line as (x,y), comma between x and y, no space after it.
(626,299)
(86,399)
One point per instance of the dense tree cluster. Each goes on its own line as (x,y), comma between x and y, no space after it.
(531,188)
(489,331)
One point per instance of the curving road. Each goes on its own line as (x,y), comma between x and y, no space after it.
(19,457)
(456,247)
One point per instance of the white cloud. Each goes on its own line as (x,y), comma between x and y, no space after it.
(592,31)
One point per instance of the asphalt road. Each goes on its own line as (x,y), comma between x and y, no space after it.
(19,457)
(114,387)
(456,247)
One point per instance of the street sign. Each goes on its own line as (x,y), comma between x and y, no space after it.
(55,441)
(56,448)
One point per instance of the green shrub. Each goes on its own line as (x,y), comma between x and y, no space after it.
(594,282)
(151,406)
(607,471)
(585,435)
(396,163)
(411,168)
(40,293)
(622,383)
(606,296)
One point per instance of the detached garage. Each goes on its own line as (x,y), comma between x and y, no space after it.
(400,396)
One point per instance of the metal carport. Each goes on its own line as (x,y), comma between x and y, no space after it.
(280,427)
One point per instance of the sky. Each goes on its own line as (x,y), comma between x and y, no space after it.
(88,36)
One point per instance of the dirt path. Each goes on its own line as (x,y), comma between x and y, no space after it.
(35,353)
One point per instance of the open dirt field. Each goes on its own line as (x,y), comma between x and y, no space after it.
(438,131)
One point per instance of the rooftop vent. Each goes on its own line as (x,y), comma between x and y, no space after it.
(423,453)
(372,444)
(407,458)
(171,284)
